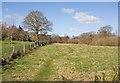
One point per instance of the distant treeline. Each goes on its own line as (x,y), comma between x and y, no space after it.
(103,37)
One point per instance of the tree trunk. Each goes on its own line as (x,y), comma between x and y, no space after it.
(37,35)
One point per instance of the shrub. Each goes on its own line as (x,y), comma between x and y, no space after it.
(73,41)
(107,41)
(16,55)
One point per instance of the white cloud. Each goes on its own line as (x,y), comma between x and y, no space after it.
(74,30)
(13,18)
(83,17)
(8,16)
(68,10)
(16,17)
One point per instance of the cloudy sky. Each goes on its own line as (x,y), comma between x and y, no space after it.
(68,18)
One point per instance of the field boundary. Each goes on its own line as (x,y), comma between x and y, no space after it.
(16,53)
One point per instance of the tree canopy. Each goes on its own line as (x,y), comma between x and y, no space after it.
(37,22)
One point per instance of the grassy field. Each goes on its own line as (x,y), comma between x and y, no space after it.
(64,62)
(7,49)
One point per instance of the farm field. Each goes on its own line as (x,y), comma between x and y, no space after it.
(64,62)
(7,49)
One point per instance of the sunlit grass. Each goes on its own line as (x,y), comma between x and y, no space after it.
(7,46)
(73,62)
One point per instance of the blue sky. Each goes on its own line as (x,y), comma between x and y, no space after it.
(68,18)
(60,0)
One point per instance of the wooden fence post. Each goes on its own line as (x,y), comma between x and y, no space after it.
(13,49)
(34,44)
(24,48)
(37,43)
(30,45)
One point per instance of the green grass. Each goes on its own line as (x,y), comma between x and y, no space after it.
(7,49)
(73,62)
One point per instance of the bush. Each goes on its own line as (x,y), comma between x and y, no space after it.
(16,55)
(73,41)
(107,41)
(3,62)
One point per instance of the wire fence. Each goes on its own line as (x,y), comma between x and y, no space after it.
(13,51)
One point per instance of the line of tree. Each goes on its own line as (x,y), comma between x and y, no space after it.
(103,37)
(39,26)
(35,22)
(15,33)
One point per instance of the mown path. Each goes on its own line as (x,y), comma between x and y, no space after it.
(64,62)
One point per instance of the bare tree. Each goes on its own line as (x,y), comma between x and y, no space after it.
(87,37)
(105,31)
(3,30)
(37,22)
